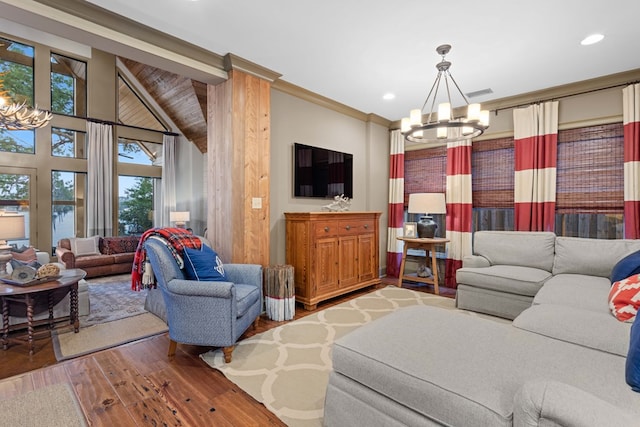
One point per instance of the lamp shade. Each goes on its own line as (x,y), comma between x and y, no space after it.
(424,203)
(12,227)
(179,217)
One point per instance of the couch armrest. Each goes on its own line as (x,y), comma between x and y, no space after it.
(66,257)
(555,403)
(475,261)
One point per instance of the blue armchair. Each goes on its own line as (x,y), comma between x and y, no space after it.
(206,313)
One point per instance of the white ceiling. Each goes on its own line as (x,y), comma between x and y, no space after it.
(356,51)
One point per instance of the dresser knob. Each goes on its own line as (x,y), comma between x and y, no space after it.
(326,229)
(366,226)
(348,227)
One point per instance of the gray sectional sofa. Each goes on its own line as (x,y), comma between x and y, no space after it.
(560,363)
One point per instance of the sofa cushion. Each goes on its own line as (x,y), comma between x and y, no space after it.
(246,297)
(119,245)
(527,249)
(463,368)
(632,371)
(93,261)
(624,298)
(84,246)
(203,264)
(587,328)
(593,257)
(506,278)
(626,267)
(576,290)
(126,258)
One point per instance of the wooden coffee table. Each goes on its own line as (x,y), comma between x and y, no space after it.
(26,295)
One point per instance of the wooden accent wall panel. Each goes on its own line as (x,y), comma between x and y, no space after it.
(238,149)
(332,253)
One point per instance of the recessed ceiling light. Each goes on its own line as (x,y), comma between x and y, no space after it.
(388,96)
(592,39)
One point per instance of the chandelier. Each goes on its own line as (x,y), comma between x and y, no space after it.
(441,127)
(19,116)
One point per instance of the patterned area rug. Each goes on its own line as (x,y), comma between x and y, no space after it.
(111,298)
(287,368)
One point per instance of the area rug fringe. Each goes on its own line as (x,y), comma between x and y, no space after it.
(287,368)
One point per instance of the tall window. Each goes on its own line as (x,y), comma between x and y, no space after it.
(16,75)
(492,178)
(135,207)
(67,205)
(15,199)
(590,182)
(68,85)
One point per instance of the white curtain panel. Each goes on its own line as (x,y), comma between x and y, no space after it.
(168,185)
(100,180)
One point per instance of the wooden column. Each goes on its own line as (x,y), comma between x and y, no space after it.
(238,148)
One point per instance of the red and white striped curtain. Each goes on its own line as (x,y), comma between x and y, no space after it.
(631,121)
(536,153)
(396,204)
(459,208)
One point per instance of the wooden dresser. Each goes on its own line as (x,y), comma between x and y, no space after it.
(332,253)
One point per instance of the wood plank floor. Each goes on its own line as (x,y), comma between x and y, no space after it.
(136,385)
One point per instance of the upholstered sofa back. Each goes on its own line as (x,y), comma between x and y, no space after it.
(592,257)
(526,249)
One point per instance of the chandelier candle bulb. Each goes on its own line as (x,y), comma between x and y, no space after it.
(484,118)
(473,112)
(442,132)
(404,124)
(444,112)
(415,117)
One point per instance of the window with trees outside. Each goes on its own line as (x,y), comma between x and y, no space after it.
(67,205)
(16,77)
(135,198)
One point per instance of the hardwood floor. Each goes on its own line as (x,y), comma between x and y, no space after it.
(136,385)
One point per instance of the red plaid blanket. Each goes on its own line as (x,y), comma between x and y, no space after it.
(177,239)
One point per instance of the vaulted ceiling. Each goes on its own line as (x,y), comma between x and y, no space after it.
(183,100)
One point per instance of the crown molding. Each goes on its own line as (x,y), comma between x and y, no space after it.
(104,29)
(234,62)
(307,95)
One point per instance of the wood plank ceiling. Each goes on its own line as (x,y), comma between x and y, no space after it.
(183,100)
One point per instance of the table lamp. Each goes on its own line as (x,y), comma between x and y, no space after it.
(180,218)
(427,203)
(11,227)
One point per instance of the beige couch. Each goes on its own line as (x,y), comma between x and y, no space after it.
(115,256)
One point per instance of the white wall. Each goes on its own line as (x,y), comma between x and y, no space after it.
(297,120)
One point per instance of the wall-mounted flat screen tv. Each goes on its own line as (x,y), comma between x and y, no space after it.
(319,172)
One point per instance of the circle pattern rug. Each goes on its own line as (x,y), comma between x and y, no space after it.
(287,368)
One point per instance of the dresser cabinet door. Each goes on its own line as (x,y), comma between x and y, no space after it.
(326,265)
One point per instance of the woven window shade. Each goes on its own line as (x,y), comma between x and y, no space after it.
(492,171)
(590,172)
(425,171)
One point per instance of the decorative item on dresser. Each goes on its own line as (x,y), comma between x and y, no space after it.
(332,253)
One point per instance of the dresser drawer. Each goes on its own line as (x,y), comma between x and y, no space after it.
(360,226)
(325,229)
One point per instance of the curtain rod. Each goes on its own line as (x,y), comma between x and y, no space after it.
(109,122)
(565,96)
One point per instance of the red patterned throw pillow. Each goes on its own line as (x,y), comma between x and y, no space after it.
(624,298)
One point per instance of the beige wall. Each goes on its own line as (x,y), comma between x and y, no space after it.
(297,120)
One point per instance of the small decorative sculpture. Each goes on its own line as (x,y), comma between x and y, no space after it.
(339,204)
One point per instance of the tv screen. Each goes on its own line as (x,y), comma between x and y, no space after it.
(319,172)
